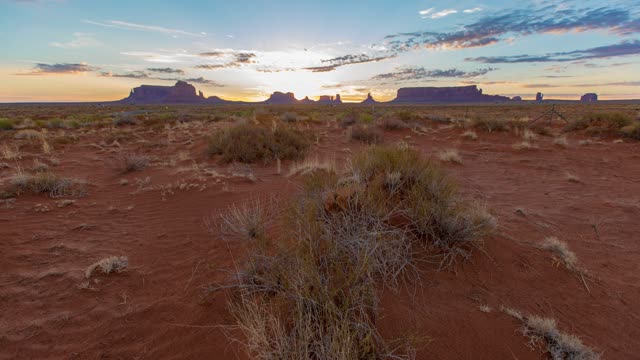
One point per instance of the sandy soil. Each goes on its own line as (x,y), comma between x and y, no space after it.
(160,309)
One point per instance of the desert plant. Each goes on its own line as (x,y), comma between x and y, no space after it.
(392,123)
(289,117)
(631,131)
(561,141)
(133,162)
(244,222)
(348,119)
(49,183)
(470,135)
(490,124)
(248,143)
(6,124)
(108,265)
(561,252)
(365,118)
(367,134)
(450,155)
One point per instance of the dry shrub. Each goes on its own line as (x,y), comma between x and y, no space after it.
(367,134)
(49,183)
(108,265)
(244,222)
(524,145)
(470,135)
(528,135)
(289,117)
(450,155)
(631,131)
(561,141)
(309,166)
(248,144)
(348,119)
(311,293)
(561,252)
(601,123)
(392,123)
(133,162)
(490,124)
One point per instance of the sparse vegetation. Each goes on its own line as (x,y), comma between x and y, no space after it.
(561,141)
(46,182)
(450,155)
(544,331)
(133,162)
(524,145)
(601,123)
(367,134)
(490,124)
(6,124)
(248,144)
(470,135)
(392,123)
(108,265)
(561,252)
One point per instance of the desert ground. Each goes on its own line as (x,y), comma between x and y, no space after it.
(150,185)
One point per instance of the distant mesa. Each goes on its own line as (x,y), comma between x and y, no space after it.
(180,93)
(280,98)
(369,100)
(516,98)
(589,97)
(454,94)
(330,100)
(185,93)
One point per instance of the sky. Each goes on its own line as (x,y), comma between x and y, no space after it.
(75,50)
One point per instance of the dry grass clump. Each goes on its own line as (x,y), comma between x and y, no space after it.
(561,252)
(6,124)
(248,144)
(47,182)
(573,177)
(559,345)
(133,162)
(470,135)
(561,141)
(108,265)
(490,124)
(311,293)
(524,145)
(450,155)
(367,134)
(529,135)
(10,153)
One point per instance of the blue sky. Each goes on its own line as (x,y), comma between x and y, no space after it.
(72,50)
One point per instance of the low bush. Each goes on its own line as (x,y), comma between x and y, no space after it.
(600,123)
(490,124)
(6,124)
(311,293)
(392,123)
(249,143)
(631,131)
(367,134)
(47,182)
(133,162)
(365,118)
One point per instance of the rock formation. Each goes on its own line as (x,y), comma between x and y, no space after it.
(181,92)
(281,98)
(516,98)
(369,100)
(326,99)
(589,97)
(452,94)
(539,97)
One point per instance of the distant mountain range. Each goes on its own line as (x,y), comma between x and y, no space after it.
(185,93)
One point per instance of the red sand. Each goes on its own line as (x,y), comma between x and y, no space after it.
(157,310)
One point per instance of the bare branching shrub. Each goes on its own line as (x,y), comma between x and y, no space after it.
(367,134)
(133,162)
(470,135)
(450,155)
(247,221)
(108,265)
